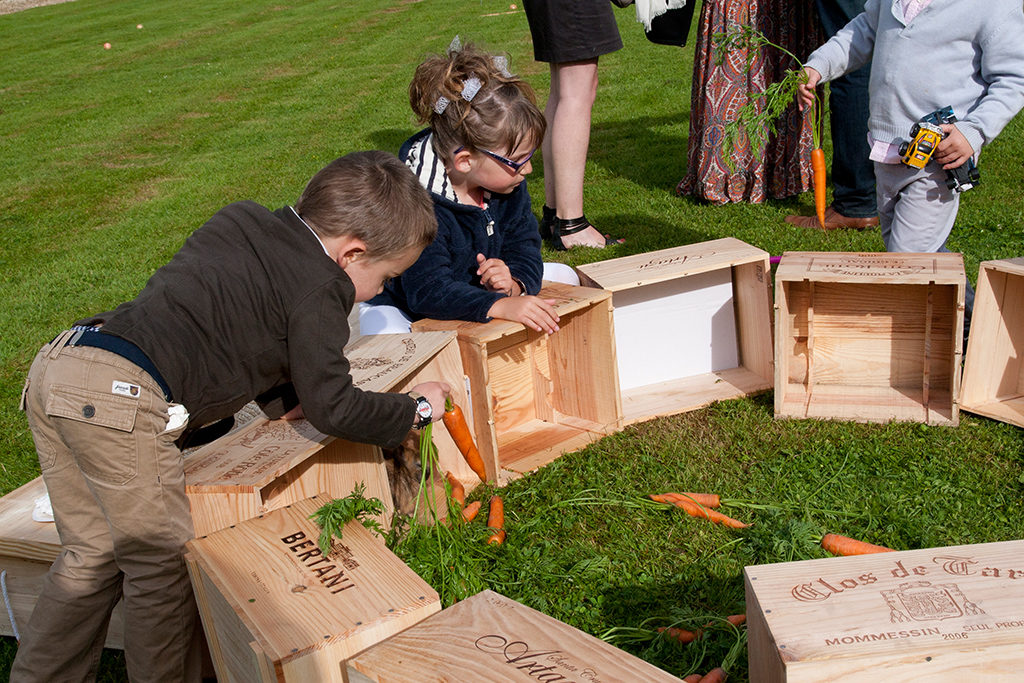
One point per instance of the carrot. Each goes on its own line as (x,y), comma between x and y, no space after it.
(737,619)
(842,545)
(496,521)
(470,511)
(716,675)
(682,635)
(663,498)
(455,421)
(695,510)
(458,490)
(711,500)
(818,177)
(693,678)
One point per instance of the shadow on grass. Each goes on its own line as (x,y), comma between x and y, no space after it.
(390,139)
(644,232)
(642,149)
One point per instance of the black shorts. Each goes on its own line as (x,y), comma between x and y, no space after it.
(571,30)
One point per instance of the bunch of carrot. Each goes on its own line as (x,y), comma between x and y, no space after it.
(716,675)
(699,505)
(683,636)
(495,515)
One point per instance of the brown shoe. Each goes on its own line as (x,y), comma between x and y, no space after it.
(833,221)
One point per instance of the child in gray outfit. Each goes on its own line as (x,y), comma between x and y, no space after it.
(926,55)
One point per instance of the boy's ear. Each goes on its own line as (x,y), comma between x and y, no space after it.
(350,249)
(462,162)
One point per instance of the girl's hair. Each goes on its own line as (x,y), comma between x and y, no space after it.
(372,196)
(500,116)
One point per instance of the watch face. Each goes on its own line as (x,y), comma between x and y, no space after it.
(423,409)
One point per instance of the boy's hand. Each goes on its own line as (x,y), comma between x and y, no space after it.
(536,313)
(805,93)
(954,150)
(435,392)
(495,276)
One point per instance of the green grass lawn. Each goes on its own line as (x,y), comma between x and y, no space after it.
(112,157)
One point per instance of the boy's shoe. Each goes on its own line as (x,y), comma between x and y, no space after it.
(833,221)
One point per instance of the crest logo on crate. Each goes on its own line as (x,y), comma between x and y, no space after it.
(922,601)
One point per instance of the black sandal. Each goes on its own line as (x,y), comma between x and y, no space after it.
(562,227)
(547,219)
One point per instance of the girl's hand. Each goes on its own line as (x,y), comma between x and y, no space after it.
(954,150)
(805,92)
(495,276)
(536,313)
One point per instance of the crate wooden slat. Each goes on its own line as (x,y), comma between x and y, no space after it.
(693,325)
(534,396)
(275,609)
(993,383)
(270,463)
(27,549)
(871,337)
(938,614)
(489,637)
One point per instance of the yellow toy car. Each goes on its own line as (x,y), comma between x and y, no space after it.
(924,138)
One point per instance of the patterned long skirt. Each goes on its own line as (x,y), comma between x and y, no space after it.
(782,166)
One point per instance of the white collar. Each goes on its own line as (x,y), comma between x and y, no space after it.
(311,230)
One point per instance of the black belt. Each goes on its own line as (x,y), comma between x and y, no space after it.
(123,348)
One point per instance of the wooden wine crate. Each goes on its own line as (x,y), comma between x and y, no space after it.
(489,637)
(939,614)
(870,337)
(270,463)
(27,549)
(993,383)
(693,325)
(535,396)
(275,609)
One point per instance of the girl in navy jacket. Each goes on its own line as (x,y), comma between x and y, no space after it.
(484,127)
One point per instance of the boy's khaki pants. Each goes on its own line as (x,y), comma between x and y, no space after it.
(117,487)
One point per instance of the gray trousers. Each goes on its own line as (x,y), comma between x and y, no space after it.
(915,209)
(117,487)
(916,212)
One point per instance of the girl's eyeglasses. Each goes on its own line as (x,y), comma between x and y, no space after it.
(514,165)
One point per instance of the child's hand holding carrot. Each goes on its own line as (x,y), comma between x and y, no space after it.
(805,92)
(536,313)
(435,392)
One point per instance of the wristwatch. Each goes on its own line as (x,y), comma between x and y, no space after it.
(424,411)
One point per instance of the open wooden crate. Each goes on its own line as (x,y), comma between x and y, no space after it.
(27,549)
(871,337)
(489,637)
(692,325)
(268,464)
(275,609)
(534,396)
(993,383)
(939,614)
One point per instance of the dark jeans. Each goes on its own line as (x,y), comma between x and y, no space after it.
(853,173)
